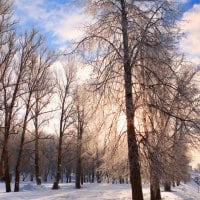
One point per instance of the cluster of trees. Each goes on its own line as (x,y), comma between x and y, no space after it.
(25,89)
(34,94)
(136,72)
(132,48)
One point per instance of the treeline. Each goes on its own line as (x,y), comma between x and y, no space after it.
(136,72)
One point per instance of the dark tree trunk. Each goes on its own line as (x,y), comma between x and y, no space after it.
(17,179)
(31,178)
(78,164)
(21,148)
(133,152)
(19,158)
(126,180)
(2,160)
(62,176)
(80,128)
(92,176)
(154,186)
(4,163)
(98,177)
(58,173)
(70,179)
(82,180)
(173,182)
(7,173)
(61,132)
(67,179)
(167,186)
(37,168)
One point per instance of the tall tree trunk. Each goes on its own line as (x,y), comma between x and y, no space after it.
(19,158)
(154,186)
(58,172)
(133,152)
(17,178)
(93,172)
(4,162)
(17,167)
(7,173)
(37,168)
(78,162)
(61,132)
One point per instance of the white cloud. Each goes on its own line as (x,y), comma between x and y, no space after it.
(190,25)
(31,9)
(68,25)
(63,21)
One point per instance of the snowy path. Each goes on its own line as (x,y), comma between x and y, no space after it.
(94,191)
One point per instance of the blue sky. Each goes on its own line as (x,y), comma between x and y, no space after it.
(60,22)
(189,3)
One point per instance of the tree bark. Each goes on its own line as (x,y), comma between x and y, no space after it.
(7,173)
(58,173)
(61,134)
(19,158)
(167,186)
(154,186)
(17,168)
(4,162)
(37,168)
(78,162)
(133,152)
(21,148)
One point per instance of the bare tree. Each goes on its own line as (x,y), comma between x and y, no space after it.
(64,86)
(7,52)
(11,92)
(42,97)
(7,38)
(36,77)
(117,36)
(162,104)
(81,108)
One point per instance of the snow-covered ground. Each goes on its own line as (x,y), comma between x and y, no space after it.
(30,191)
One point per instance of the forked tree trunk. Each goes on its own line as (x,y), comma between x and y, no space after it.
(133,152)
